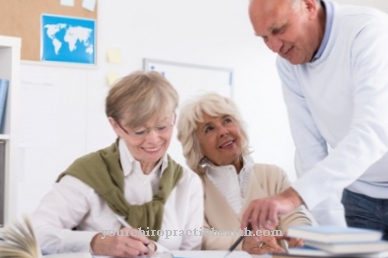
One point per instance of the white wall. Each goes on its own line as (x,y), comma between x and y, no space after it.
(204,32)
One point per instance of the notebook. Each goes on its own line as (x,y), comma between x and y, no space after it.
(356,247)
(333,234)
(306,251)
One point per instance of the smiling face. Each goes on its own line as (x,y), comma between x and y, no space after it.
(141,110)
(147,143)
(220,140)
(290,28)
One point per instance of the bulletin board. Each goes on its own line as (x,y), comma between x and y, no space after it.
(21,18)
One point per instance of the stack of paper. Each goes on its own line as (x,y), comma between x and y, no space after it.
(331,241)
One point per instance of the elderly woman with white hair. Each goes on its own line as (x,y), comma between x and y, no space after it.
(215,145)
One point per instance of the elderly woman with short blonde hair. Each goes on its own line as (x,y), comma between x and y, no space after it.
(134,179)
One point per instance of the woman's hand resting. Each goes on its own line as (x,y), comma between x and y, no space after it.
(268,244)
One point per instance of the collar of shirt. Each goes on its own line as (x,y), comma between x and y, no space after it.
(129,164)
(329,22)
(215,172)
(231,185)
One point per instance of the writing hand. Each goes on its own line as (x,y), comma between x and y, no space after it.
(121,246)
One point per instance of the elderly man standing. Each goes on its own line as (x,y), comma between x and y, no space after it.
(333,64)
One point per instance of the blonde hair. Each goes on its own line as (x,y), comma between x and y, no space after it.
(139,96)
(192,112)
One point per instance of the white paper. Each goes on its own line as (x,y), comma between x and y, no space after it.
(67,2)
(89,4)
(210,254)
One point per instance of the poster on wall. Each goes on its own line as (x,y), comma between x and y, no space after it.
(68,39)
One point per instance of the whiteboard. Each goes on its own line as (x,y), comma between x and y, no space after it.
(190,80)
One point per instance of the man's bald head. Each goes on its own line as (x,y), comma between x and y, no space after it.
(291,28)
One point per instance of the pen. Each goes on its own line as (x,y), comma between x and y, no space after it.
(238,241)
(285,244)
(125,224)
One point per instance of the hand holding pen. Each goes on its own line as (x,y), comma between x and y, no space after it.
(237,242)
(267,244)
(129,242)
(126,224)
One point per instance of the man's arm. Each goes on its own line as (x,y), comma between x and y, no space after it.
(311,147)
(366,141)
(264,212)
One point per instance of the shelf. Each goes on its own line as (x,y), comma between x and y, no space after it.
(6,42)
(9,70)
(4,136)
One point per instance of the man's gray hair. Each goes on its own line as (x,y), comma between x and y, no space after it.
(297,3)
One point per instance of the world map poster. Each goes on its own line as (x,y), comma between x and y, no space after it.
(68,39)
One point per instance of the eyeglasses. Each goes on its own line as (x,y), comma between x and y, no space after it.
(143,132)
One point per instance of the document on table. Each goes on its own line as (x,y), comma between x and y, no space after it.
(205,254)
(210,254)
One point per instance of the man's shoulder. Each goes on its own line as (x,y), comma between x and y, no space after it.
(359,16)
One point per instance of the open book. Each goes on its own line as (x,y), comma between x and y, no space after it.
(18,240)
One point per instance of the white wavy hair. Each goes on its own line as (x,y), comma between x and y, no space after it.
(192,112)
